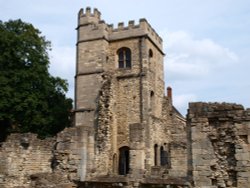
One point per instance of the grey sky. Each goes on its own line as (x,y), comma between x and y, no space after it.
(207,42)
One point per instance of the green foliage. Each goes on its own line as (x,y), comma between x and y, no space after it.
(31,100)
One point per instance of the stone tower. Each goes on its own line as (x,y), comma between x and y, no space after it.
(127,133)
(120,106)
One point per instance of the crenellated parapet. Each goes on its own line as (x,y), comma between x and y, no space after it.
(134,30)
(121,32)
(88,16)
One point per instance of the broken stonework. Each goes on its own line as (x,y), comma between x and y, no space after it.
(219,144)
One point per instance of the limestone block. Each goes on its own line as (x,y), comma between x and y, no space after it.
(202,181)
(243,174)
(242,156)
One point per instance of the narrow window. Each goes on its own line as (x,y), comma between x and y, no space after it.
(156,154)
(124,58)
(150,53)
(152,101)
(164,157)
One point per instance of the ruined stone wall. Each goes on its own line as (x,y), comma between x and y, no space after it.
(21,156)
(220,144)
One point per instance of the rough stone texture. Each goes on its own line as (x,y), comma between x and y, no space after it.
(50,180)
(21,156)
(219,141)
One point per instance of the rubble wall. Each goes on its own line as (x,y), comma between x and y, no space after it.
(21,156)
(219,145)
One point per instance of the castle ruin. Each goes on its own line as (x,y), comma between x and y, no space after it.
(126,132)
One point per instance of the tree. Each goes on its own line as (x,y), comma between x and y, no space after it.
(31,100)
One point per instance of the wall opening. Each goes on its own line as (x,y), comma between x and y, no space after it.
(124,160)
(150,53)
(164,156)
(156,154)
(152,101)
(124,58)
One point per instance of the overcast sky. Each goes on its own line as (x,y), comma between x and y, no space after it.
(207,42)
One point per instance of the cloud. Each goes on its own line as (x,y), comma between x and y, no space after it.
(191,58)
(199,66)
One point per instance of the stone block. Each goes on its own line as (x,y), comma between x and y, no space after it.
(242,156)
(202,181)
(243,174)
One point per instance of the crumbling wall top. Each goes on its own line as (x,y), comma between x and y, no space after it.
(218,110)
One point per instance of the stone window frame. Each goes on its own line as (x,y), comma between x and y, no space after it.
(124,58)
(162,155)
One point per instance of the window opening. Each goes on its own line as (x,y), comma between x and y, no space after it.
(124,58)
(164,157)
(150,53)
(152,100)
(155,154)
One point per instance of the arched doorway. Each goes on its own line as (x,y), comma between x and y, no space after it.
(124,160)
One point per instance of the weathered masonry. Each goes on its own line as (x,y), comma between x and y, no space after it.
(132,134)
(219,136)
(126,132)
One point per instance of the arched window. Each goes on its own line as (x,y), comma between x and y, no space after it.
(164,157)
(150,53)
(124,160)
(124,58)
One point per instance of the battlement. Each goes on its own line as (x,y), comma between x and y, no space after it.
(134,30)
(88,16)
(122,31)
(88,13)
(143,25)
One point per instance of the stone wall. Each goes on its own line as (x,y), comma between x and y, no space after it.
(21,156)
(219,145)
